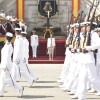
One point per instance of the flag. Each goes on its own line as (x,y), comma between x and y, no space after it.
(20,9)
(75,7)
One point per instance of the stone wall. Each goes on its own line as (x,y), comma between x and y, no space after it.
(34,20)
(32,17)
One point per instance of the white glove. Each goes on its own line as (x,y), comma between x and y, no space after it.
(24,60)
(88,48)
(17,61)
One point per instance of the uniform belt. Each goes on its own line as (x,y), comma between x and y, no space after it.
(79,50)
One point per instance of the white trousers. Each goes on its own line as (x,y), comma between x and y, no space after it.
(6,77)
(34,51)
(29,70)
(98,69)
(19,71)
(87,71)
(64,69)
(69,79)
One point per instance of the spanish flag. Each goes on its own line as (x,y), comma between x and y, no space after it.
(20,9)
(75,7)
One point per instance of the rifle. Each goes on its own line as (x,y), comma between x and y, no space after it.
(69,38)
(70,23)
(96,50)
(90,10)
(77,42)
(73,42)
(91,23)
(77,18)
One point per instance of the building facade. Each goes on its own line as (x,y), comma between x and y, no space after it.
(34,20)
(32,17)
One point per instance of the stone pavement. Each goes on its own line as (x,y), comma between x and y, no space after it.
(46,88)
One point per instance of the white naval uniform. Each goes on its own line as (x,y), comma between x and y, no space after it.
(6,65)
(16,58)
(98,63)
(88,69)
(66,64)
(34,44)
(18,68)
(71,77)
(25,59)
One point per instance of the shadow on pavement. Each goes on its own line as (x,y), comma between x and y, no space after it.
(36,96)
(46,82)
(44,87)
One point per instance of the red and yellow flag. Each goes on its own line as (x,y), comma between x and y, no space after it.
(20,9)
(75,7)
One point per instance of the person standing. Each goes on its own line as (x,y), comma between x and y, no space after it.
(34,44)
(26,56)
(6,66)
(51,46)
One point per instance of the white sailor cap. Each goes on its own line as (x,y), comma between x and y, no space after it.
(76,24)
(9,34)
(17,29)
(71,26)
(98,29)
(23,32)
(12,19)
(94,23)
(87,23)
(83,24)
(8,17)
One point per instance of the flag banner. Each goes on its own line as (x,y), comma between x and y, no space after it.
(75,7)
(20,9)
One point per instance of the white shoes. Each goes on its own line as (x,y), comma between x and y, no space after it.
(92,91)
(59,81)
(70,93)
(21,91)
(35,79)
(31,83)
(98,94)
(74,97)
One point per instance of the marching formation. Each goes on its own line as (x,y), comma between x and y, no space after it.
(13,70)
(81,69)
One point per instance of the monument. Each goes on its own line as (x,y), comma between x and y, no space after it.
(47,8)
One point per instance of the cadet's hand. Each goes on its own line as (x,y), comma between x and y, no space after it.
(24,60)
(84,50)
(17,62)
(72,50)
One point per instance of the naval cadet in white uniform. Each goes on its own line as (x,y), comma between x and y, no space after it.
(26,57)
(6,66)
(88,69)
(34,44)
(17,70)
